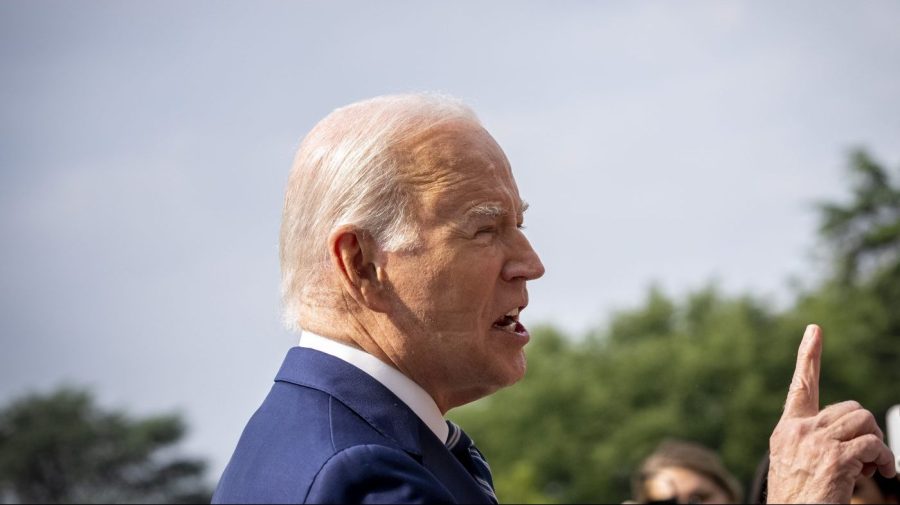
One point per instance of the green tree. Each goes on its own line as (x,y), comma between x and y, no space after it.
(710,368)
(589,410)
(864,233)
(62,448)
(860,302)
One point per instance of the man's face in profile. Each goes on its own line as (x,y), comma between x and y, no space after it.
(459,292)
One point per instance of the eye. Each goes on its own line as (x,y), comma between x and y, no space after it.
(521,226)
(485,230)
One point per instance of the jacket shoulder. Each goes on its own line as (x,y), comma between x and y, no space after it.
(296,444)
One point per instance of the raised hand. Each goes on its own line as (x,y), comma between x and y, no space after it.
(816,457)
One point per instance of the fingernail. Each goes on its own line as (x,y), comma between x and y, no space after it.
(808,334)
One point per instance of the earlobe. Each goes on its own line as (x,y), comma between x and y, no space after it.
(354,254)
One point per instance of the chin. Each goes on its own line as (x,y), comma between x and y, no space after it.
(505,375)
(515,370)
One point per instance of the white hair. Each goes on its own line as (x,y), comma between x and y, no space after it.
(350,170)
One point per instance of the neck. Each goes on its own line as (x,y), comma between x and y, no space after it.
(375,334)
(352,326)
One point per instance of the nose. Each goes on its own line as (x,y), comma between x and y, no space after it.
(524,262)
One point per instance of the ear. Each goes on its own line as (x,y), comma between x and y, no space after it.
(355,256)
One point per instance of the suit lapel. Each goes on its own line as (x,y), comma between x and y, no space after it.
(386,413)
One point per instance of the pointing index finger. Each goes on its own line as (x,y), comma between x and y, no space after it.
(803,396)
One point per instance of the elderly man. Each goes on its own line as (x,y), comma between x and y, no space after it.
(405,266)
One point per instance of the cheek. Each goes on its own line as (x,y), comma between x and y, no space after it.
(451,292)
(465,278)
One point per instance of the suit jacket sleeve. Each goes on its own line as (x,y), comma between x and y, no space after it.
(375,474)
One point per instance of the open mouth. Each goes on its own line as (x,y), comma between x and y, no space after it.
(509,322)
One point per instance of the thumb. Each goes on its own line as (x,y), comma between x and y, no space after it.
(803,396)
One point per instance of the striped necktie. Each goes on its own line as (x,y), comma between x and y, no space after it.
(465,451)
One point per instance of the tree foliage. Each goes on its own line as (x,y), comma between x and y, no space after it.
(864,233)
(61,448)
(710,368)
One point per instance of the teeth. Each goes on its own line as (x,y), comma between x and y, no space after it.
(509,321)
(511,326)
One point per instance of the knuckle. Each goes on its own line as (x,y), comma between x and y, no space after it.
(837,461)
(857,418)
(867,418)
(862,447)
(838,458)
(852,404)
(870,440)
(800,385)
(885,457)
(846,405)
(848,465)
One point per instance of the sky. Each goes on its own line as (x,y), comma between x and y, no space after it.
(144,148)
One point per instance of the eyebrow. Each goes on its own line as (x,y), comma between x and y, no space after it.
(492,209)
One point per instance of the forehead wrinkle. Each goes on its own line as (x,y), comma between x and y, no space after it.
(440,155)
(453,159)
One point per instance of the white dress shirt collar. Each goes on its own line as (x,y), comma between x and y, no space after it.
(416,398)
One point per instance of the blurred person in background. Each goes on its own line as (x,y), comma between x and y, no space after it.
(684,472)
(876,490)
(759,485)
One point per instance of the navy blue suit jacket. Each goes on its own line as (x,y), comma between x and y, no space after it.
(330,433)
